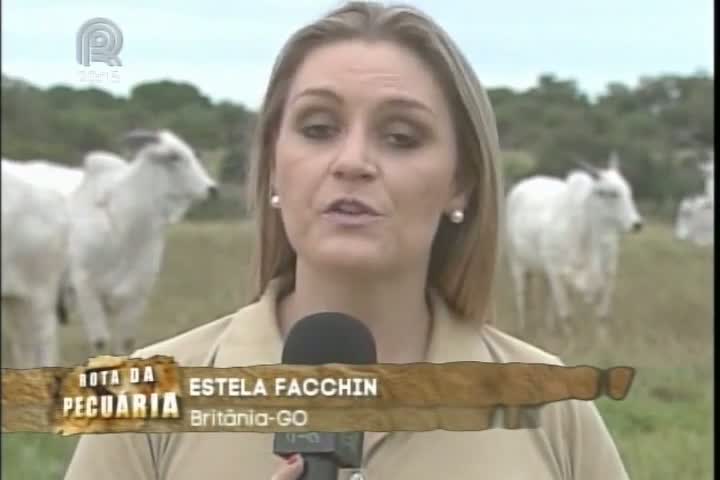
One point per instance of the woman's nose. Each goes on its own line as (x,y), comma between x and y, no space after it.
(353,160)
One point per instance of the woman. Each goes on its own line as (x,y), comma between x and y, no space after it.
(378,193)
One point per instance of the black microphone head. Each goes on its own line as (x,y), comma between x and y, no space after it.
(317,339)
(329,337)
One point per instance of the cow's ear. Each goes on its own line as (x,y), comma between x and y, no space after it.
(137,139)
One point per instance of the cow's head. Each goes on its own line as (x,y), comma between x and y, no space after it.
(178,176)
(612,198)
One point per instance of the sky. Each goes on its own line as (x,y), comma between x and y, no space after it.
(227,49)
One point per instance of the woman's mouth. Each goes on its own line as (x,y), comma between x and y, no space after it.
(350,211)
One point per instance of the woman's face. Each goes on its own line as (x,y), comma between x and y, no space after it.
(365,159)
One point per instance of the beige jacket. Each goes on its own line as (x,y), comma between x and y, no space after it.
(572,443)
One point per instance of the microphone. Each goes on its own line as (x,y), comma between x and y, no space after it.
(326,337)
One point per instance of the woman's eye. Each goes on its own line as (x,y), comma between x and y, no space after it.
(402,140)
(318,131)
(402,134)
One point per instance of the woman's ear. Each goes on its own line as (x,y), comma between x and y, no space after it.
(461,197)
(458,202)
(272,176)
(455,210)
(271,183)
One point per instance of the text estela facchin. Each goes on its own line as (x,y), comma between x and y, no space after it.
(283,387)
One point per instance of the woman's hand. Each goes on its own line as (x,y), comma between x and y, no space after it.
(291,469)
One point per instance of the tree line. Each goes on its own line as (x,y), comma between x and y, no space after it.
(660,128)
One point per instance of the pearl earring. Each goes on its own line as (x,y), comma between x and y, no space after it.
(457,216)
(275,201)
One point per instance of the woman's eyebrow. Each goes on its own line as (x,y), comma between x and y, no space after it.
(408,103)
(317,92)
(395,101)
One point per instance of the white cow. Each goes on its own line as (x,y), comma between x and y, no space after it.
(568,231)
(695,221)
(62,179)
(119,219)
(35,225)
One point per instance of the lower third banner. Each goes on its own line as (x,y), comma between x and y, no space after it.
(119,394)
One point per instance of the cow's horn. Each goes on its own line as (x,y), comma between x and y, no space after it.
(592,170)
(137,139)
(614,160)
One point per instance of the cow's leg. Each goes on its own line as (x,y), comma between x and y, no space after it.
(93,315)
(44,338)
(548,301)
(519,278)
(603,310)
(560,299)
(14,315)
(607,291)
(125,319)
(530,300)
(588,290)
(32,332)
(606,282)
(65,301)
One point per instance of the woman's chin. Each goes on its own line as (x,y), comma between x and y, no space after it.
(352,259)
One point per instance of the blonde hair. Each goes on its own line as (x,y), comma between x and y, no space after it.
(464,257)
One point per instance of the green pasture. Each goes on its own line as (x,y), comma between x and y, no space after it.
(662,326)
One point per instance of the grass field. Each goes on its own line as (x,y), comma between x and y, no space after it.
(662,326)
